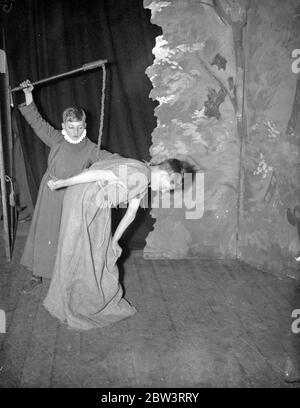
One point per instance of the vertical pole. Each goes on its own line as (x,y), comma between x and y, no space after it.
(9,138)
(2,172)
(4,196)
(7,103)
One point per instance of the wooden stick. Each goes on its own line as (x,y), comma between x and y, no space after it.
(85,67)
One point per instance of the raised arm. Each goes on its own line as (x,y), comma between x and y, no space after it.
(87,176)
(27,89)
(48,134)
(129,216)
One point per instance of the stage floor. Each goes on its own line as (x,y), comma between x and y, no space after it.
(199,324)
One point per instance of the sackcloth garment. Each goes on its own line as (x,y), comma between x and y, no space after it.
(85,291)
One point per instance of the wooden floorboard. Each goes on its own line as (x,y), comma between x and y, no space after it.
(192,351)
(259,321)
(21,312)
(199,323)
(153,327)
(227,340)
(37,369)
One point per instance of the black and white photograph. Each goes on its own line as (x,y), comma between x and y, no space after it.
(150,197)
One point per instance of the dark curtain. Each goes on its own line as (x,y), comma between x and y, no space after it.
(49,37)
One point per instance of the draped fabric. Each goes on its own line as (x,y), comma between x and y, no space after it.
(49,37)
(85,291)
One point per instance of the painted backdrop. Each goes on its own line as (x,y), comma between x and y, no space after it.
(228,101)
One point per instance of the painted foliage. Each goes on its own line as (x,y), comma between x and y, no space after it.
(271,159)
(191,75)
(222,76)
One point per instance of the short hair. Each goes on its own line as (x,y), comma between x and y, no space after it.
(73,114)
(177,166)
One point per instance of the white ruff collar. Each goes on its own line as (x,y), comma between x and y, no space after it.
(68,139)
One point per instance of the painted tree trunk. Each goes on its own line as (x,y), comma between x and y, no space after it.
(236,17)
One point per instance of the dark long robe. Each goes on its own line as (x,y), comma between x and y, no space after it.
(85,291)
(65,160)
